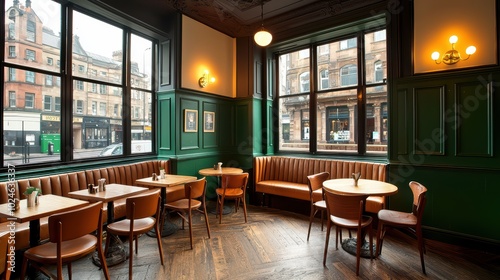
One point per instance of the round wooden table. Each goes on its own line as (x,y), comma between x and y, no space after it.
(219,172)
(365,187)
(345,186)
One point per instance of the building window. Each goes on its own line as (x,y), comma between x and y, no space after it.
(31,30)
(379,35)
(115,110)
(12,99)
(48,80)
(50,61)
(349,75)
(348,44)
(304,82)
(94,107)
(30,55)
(12,31)
(79,107)
(324,80)
(103,89)
(12,51)
(81,68)
(102,109)
(12,74)
(29,101)
(79,85)
(47,103)
(30,77)
(378,71)
(57,104)
(93,87)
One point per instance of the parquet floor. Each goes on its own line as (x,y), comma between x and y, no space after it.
(273,245)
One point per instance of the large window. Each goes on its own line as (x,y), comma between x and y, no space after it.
(101,89)
(343,120)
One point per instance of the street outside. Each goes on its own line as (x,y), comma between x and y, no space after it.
(20,159)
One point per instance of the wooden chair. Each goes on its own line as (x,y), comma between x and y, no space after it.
(233,187)
(346,211)
(193,191)
(412,221)
(4,259)
(315,182)
(142,215)
(70,238)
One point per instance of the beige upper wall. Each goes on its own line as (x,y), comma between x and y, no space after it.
(474,22)
(204,48)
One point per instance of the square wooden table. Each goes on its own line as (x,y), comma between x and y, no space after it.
(49,204)
(113,192)
(169,181)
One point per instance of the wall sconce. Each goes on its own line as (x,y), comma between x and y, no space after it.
(205,80)
(453,56)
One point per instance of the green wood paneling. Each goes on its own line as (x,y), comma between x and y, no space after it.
(189,140)
(164,122)
(474,119)
(210,138)
(428,107)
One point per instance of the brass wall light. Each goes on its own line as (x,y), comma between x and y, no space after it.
(205,79)
(453,56)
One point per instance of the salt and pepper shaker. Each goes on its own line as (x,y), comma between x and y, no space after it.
(154,177)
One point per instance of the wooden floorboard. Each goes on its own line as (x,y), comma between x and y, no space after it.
(273,245)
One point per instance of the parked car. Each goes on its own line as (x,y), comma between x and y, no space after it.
(138,146)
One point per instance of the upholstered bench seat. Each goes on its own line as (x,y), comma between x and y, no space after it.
(287,176)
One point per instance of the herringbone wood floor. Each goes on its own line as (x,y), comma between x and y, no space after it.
(273,245)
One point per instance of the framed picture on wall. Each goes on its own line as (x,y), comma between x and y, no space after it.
(208,121)
(190,120)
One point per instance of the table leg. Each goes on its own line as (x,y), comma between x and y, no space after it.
(169,228)
(116,251)
(213,209)
(34,233)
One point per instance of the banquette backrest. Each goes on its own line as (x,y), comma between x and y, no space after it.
(293,169)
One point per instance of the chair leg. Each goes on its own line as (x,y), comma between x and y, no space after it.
(311,215)
(358,250)
(220,210)
(102,257)
(137,245)
(421,248)
(380,237)
(158,239)
(245,209)
(130,255)
(206,219)
(190,228)
(328,226)
(70,273)
(322,217)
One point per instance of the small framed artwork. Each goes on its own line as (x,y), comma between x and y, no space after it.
(208,121)
(190,120)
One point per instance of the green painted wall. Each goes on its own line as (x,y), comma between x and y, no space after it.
(442,135)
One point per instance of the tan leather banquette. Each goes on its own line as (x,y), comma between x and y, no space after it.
(287,176)
(62,184)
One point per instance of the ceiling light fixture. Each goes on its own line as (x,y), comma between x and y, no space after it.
(262,37)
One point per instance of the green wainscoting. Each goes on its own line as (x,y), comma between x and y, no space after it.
(442,135)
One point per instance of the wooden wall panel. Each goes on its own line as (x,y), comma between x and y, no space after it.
(428,129)
(474,119)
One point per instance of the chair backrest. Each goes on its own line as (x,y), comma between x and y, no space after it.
(238,181)
(143,205)
(344,206)
(419,198)
(315,181)
(75,223)
(195,189)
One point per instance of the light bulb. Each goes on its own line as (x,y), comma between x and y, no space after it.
(435,55)
(470,50)
(453,39)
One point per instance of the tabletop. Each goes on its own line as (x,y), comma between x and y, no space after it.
(112,192)
(49,204)
(345,186)
(169,181)
(216,172)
